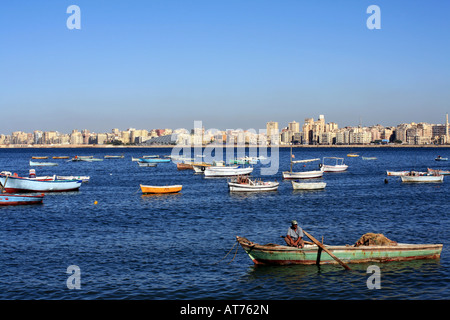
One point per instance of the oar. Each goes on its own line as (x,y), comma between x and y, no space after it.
(3,187)
(326,250)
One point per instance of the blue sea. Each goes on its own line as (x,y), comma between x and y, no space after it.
(129,246)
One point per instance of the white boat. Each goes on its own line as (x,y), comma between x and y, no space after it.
(303,174)
(146,164)
(336,167)
(420,177)
(307,174)
(297,185)
(397,173)
(438,171)
(201,167)
(246,184)
(369,158)
(42,164)
(14,184)
(226,171)
(82,178)
(439,158)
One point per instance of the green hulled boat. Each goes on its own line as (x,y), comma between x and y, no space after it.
(273,254)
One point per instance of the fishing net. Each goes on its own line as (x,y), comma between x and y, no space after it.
(374,239)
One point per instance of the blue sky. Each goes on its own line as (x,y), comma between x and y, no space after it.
(231,64)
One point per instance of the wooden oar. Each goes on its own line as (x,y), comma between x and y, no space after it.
(3,187)
(326,250)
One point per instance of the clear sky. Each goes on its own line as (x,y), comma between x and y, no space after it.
(230,63)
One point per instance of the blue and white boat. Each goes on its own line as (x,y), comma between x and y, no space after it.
(153,160)
(19,199)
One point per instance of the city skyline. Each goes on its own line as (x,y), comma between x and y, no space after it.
(233,64)
(311,132)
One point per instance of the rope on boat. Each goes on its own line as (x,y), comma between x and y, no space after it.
(229,253)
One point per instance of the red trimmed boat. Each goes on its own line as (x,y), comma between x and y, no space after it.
(20,199)
(16,184)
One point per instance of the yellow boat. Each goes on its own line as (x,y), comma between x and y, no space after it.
(352,155)
(160,189)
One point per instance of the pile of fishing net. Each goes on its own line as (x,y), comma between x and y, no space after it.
(374,239)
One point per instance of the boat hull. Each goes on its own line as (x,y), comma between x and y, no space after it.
(226,171)
(18,184)
(160,189)
(147,164)
(238,187)
(422,179)
(42,164)
(336,168)
(303,175)
(284,255)
(19,199)
(397,173)
(184,166)
(308,185)
(153,160)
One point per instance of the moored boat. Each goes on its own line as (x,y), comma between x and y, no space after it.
(439,158)
(226,171)
(14,184)
(184,166)
(438,171)
(246,184)
(397,173)
(297,185)
(42,164)
(200,167)
(39,157)
(61,157)
(146,189)
(421,177)
(273,254)
(113,157)
(353,155)
(337,167)
(146,164)
(154,160)
(19,199)
(369,158)
(82,178)
(307,174)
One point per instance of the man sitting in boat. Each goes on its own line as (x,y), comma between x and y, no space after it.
(294,236)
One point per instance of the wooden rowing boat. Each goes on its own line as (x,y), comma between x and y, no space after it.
(20,199)
(246,184)
(42,164)
(45,157)
(418,177)
(297,185)
(61,157)
(184,166)
(273,254)
(146,164)
(160,189)
(14,184)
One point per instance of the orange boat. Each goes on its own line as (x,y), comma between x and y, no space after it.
(160,189)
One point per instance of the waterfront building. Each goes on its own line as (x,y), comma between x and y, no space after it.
(75,137)
(273,133)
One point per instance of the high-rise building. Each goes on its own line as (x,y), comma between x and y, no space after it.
(273,133)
